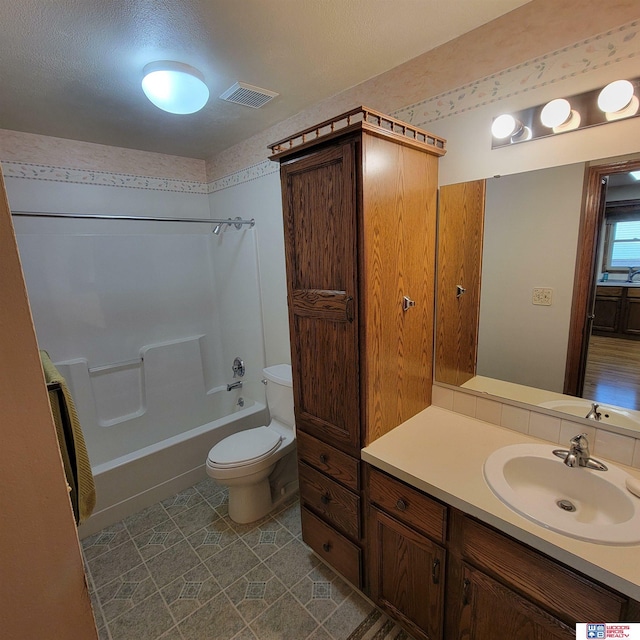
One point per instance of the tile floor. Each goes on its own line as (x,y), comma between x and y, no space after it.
(182,570)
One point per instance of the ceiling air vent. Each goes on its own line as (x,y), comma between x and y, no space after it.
(248,95)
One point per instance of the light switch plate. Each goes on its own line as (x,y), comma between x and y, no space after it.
(542,296)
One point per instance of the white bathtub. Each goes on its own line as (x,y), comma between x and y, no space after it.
(138,479)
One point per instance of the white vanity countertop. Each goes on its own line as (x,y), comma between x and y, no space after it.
(443,453)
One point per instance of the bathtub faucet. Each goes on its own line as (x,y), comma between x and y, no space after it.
(234,385)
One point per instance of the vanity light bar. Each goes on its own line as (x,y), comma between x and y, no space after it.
(618,100)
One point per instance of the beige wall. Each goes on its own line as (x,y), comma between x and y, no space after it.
(43,593)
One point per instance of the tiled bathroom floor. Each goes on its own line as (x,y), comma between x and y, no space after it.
(182,570)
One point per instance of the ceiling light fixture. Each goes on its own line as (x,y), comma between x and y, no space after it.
(617,101)
(175,87)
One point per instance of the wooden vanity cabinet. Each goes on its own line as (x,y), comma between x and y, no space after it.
(617,312)
(359,209)
(407,563)
(443,574)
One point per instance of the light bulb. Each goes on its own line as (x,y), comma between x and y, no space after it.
(504,126)
(615,96)
(555,113)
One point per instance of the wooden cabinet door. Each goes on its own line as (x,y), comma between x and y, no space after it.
(490,610)
(398,219)
(407,576)
(607,314)
(319,206)
(632,312)
(460,228)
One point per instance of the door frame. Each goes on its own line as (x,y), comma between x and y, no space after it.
(591,219)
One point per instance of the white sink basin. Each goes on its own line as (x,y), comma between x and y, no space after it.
(530,480)
(608,414)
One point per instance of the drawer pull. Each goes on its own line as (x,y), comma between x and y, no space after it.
(325,498)
(326,546)
(435,571)
(465,592)
(401,505)
(323,458)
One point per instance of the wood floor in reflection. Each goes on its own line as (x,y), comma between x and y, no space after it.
(613,372)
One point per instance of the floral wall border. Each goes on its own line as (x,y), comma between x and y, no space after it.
(99,178)
(582,57)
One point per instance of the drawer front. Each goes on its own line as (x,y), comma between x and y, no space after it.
(338,505)
(633,292)
(408,505)
(609,292)
(538,577)
(332,547)
(329,460)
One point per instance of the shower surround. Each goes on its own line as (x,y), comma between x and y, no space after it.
(144,320)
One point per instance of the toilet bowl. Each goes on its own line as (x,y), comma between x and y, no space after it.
(259,465)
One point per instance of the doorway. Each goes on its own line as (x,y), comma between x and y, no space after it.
(594,371)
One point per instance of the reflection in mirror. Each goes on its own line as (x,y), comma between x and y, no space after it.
(532,235)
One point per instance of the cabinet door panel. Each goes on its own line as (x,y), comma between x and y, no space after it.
(407,576)
(397,260)
(460,228)
(319,205)
(632,313)
(490,610)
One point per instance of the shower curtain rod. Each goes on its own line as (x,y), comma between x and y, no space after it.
(236,222)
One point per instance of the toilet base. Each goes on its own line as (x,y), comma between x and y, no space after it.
(248,503)
(251,501)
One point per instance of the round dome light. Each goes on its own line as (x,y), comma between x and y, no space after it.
(615,96)
(555,113)
(504,126)
(175,87)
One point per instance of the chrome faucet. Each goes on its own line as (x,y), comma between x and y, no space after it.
(579,452)
(594,414)
(632,272)
(234,385)
(579,455)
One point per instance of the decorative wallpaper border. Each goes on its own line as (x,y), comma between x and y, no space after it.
(105,179)
(593,53)
(264,168)
(99,178)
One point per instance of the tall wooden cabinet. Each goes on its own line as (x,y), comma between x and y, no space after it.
(359,206)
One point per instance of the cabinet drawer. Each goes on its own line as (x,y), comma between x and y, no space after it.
(539,578)
(329,460)
(408,505)
(609,292)
(633,292)
(332,547)
(338,505)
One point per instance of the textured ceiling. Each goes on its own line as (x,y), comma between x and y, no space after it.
(72,68)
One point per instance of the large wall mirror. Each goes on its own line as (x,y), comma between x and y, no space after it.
(538,298)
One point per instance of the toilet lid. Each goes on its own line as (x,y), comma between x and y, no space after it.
(245,447)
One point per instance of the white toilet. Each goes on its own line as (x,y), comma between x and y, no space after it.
(259,465)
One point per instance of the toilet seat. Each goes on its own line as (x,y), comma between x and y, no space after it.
(244,448)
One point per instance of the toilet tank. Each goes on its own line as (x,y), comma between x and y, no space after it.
(280,393)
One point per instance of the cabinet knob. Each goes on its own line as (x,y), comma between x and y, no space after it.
(323,458)
(325,498)
(401,505)
(326,546)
